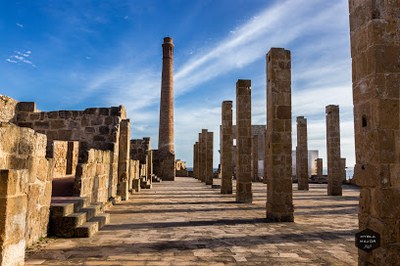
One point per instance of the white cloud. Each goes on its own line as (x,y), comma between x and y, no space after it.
(315,31)
(19,25)
(21,57)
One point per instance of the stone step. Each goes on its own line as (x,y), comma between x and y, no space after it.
(87,229)
(92,210)
(61,209)
(64,226)
(79,202)
(146,184)
(101,219)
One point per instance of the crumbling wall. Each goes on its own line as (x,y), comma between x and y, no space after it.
(22,148)
(92,176)
(65,155)
(7,108)
(94,128)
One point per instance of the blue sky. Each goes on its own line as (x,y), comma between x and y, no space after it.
(79,54)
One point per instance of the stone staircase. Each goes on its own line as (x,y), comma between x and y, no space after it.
(76,217)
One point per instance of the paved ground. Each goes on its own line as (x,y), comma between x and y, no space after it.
(187,223)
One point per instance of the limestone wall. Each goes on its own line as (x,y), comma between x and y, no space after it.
(7,108)
(94,128)
(92,176)
(139,148)
(22,148)
(65,155)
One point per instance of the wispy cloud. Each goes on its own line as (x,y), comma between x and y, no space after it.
(19,25)
(250,41)
(312,29)
(21,57)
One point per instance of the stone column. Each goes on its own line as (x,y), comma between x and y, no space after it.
(319,167)
(196,160)
(265,155)
(279,136)
(200,158)
(166,151)
(375,50)
(343,166)
(333,151)
(13,202)
(302,154)
(254,158)
(123,159)
(203,155)
(150,166)
(243,141)
(226,148)
(210,168)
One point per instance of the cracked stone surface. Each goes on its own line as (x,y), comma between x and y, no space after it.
(185,222)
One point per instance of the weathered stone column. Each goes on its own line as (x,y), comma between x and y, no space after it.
(226,148)
(302,154)
(210,168)
(150,166)
(375,50)
(196,160)
(166,150)
(123,159)
(200,165)
(343,166)
(265,155)
(319,167)
(13,202)
(254,158)
(243,141)
(333,151)
(279,136)
(203,155)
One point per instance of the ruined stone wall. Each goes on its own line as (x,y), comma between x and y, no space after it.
(134,168)
(139,148)
(60,151)
(22,148)
(7,108)
(13,208)
(94,128)
(92,176)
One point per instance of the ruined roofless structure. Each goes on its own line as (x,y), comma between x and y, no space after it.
(166,150)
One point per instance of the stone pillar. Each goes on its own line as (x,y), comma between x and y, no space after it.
(196,160)
(265,155)
(243,141)
(200,158)
(123,159)
(343,167)
(150,166)
(210,167)
(254,158)
(226,148)
(333,151)
(319,167)
(203,155)
(166,151)
(279,136)
(302,154)
(13,202)
(375,50)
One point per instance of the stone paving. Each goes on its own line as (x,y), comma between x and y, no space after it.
(185,222)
